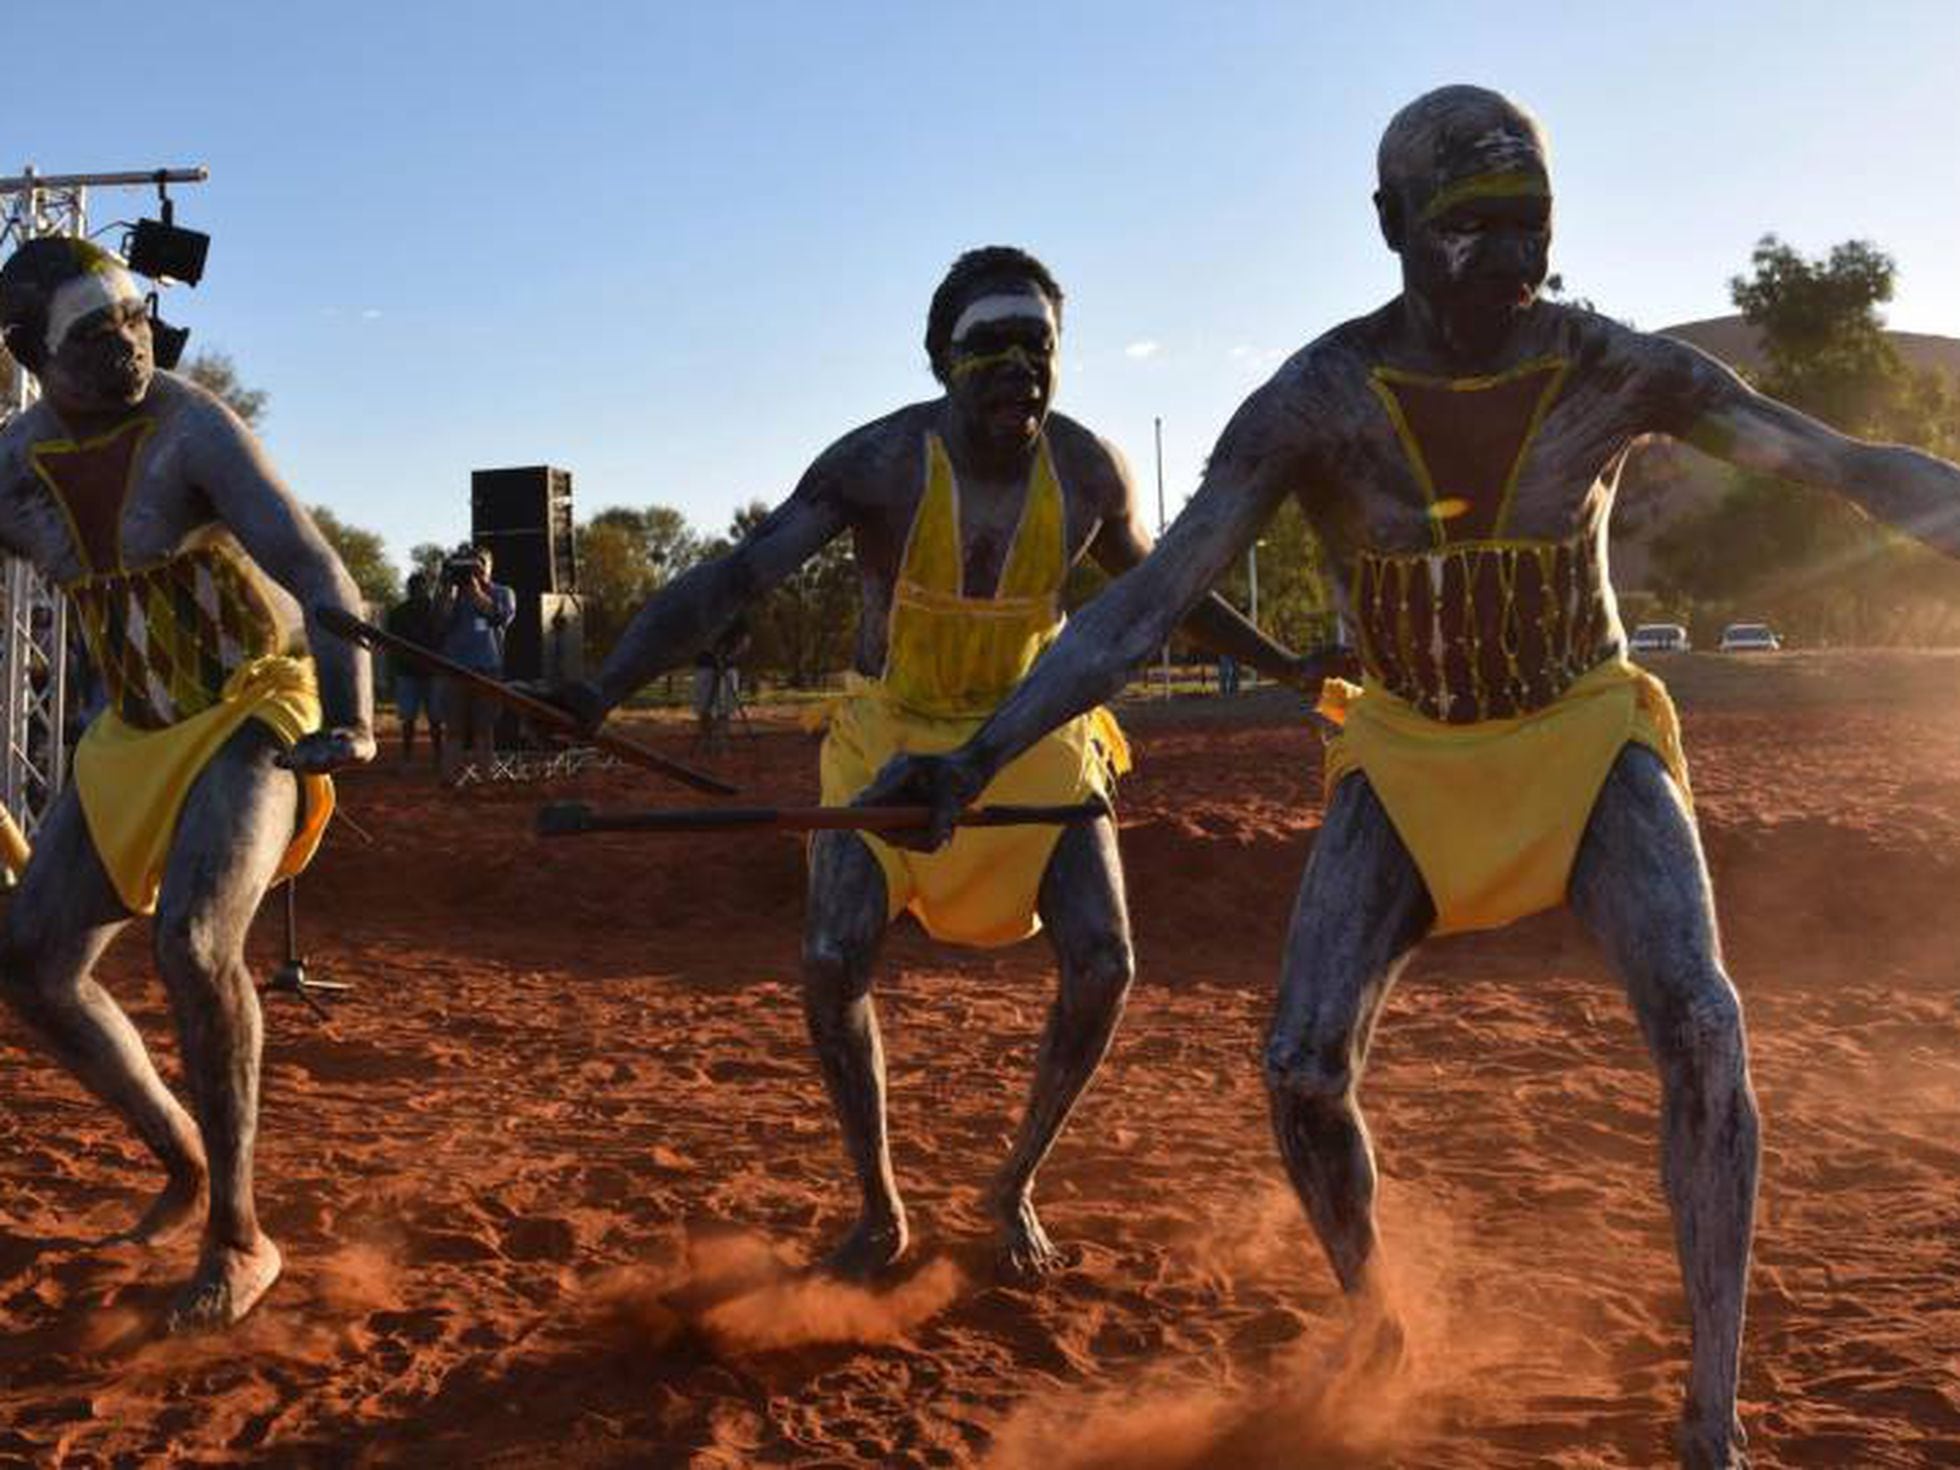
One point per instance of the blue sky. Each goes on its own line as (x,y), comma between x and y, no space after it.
(679,248)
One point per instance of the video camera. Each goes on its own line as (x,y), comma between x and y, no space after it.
(461,569)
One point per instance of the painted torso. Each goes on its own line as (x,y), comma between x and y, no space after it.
(166,504)
(166,601)
(879,474)
(1465,517)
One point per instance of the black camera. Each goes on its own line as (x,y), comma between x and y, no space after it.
(461,569)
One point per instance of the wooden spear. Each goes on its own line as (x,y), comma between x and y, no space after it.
(572,818)
(538,711)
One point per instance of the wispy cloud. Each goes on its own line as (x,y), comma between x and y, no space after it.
(370,313)
(1141,350)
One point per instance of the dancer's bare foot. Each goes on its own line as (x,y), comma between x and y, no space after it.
(1374,1348)
(1712,1444)
(874,1245)
(1026,1252)
(227,1284)
(180,1202)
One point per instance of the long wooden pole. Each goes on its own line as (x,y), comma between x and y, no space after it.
(574,818)
(538,711)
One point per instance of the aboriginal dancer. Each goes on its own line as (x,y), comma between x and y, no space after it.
(204,779)
(1457,451)
(966,512)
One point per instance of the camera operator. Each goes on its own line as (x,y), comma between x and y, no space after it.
(472,612)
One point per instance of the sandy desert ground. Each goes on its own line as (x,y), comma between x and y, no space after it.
(547,1184)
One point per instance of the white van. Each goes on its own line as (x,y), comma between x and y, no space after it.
(1659,638)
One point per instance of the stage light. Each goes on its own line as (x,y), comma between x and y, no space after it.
(164,251)
(166,342)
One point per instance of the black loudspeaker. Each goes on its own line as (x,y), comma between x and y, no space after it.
(546,640)
(525,517)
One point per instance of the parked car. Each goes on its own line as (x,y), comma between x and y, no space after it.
(1660,638)
(1749,638)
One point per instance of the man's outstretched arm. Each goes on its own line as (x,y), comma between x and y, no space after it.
(1907,489)
(685,616)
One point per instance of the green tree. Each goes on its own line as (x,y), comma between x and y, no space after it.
(1294,607)
(1808,559)
(427,558)
(216,373)
(807,626)
(624,556)
(363,554)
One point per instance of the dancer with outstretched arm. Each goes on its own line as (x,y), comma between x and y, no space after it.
(966,512)
(1456,452)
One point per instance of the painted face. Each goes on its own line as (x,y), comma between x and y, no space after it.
(1477,250)
(100,356)
(1000,370)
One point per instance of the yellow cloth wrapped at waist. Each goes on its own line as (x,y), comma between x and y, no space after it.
(14,847)
(1493,812)
(132,782)
(981,888)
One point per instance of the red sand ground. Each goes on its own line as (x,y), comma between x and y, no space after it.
(545,1186)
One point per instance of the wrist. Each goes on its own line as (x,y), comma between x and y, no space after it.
(974,764)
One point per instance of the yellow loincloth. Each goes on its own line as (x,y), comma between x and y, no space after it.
(981,888)
(14,847)
(132,782)
(1493,812)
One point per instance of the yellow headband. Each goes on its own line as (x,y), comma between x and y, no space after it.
(1508,184)
(966,365)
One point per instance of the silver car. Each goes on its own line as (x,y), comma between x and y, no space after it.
(1659,638)
(1750,638)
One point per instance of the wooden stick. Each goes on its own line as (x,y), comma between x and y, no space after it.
(532,708)
(571,818)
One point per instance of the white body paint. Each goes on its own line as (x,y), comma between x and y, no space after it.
(1004,307)
(82,297)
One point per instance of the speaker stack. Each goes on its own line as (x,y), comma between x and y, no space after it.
(524,516)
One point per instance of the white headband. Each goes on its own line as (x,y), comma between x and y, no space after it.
(1002,306)
(76,300)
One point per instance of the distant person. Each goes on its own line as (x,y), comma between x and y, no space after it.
(717,685)
(1228,675)
(472,612)
(414,618)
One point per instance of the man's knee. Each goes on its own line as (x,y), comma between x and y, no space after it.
(1097,974)
(836,971)
(1699,1033)
(1308,1072)
(190,947)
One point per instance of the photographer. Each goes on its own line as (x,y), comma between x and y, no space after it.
(472,612)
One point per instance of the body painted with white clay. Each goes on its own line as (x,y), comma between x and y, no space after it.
(1358,427)
(992,341)
(190,474)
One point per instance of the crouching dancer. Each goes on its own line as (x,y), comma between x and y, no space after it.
(1456,451)
(203,780)
(966,513)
